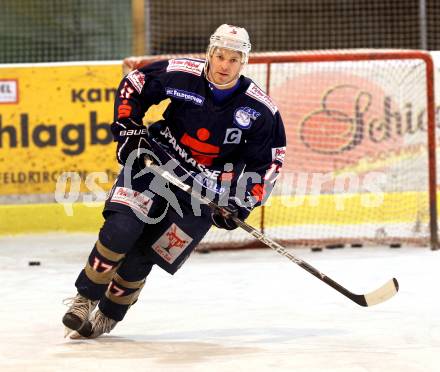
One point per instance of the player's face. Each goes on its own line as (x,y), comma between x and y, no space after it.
(224,67)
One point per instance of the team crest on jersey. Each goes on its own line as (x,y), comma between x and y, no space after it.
(172,243)
(192,66)
(245,116)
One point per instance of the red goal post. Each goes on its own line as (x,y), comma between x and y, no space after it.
(361,161)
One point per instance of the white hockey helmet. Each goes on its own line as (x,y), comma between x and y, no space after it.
(230,37)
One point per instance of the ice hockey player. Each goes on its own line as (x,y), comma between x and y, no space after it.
(224,134)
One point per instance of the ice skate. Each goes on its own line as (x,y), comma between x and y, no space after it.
(99,324)
(77,317)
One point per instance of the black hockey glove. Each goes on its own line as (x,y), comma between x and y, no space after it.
(129,135)
(223,220)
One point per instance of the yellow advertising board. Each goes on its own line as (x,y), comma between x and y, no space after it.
(55,118)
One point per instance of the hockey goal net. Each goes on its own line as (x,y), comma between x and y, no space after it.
(360,164)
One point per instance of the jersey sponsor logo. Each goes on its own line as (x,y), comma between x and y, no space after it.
(183,154)
(245,116)
(192,66)
(204,153)
(184,95)
(209,181)
(124,109)
(172,243)
(133,199)
(278,154)
(233,136)
(256,92)
(137,80)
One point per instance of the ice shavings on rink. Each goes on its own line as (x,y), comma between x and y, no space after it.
(249,310)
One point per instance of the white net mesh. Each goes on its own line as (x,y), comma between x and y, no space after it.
(357,165)
(61,30)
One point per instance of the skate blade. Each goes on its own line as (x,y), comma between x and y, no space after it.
(72,334)
(75,336)
(67,332)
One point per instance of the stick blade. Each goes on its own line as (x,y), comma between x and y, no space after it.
(382,294)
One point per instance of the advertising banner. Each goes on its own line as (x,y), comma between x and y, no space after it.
(54,118)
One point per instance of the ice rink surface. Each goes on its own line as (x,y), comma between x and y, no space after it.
(250,310)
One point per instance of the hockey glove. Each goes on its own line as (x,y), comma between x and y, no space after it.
(224,219)
(129,136)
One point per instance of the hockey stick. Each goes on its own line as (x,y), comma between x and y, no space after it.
(384,293)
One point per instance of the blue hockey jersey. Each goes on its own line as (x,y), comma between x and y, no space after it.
(241,139)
